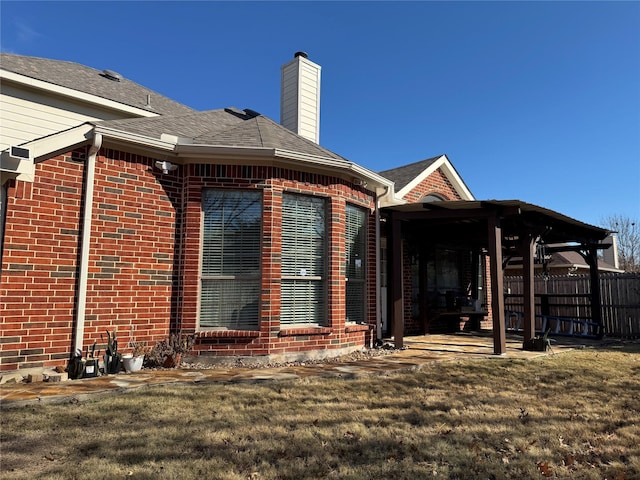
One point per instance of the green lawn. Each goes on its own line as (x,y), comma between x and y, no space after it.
(570,415)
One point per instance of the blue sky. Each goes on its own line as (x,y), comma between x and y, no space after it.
(537,101)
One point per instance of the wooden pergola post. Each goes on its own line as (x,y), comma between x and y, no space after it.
(594,283)
(527,244)
(494,238)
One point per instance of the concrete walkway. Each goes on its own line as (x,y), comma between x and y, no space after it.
(420,351)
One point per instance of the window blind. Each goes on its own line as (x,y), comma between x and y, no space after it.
(231,259)
(303,284)
(356,256)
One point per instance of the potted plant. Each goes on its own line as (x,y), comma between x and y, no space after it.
(538,343)
(168,352)
(133,361)
(112,358)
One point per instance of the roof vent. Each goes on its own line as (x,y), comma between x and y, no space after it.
(300,54)
(111,75)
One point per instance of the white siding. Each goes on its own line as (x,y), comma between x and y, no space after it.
(300,100)
(27,114)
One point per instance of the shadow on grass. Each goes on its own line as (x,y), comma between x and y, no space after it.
(476,419)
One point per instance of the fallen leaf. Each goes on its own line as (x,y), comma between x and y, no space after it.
(545,469)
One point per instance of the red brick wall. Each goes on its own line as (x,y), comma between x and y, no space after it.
(131,263)
(144,260)
(436,183)
(37,294)
(129,285)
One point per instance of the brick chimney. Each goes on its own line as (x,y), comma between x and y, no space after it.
(300,97)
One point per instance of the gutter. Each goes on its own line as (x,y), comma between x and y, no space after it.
(85,242)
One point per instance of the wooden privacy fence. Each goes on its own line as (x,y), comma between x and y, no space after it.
(569,297)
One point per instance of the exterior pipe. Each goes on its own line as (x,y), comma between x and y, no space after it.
(378,283)
(85,241)
(388,192)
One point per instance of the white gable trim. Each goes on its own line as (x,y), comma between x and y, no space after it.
(76,94)
(444,164)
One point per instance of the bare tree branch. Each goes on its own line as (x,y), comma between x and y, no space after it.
(628,236)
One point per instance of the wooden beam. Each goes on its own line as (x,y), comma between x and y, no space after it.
(527,247)
(397,274)
(494,237)
(596,305)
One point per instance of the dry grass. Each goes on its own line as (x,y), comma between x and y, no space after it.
(573,415)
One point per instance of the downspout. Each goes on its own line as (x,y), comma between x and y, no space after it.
(378,270)
(387,192)
(85,241)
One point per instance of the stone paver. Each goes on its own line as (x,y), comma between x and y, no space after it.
(420,351)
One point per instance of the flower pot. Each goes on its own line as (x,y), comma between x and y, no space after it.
(112,363)
(131,363)
(173,361)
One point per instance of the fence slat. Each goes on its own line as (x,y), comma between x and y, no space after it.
(620,298)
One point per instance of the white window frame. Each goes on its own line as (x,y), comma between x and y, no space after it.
(355,264)
(304,261)
(230,297)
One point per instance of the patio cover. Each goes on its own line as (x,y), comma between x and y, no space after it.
(504,228)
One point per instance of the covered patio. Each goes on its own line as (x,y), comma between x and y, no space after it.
(497,230)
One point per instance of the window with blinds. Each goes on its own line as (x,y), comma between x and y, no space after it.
(356,259)
(303,284)
(231,259)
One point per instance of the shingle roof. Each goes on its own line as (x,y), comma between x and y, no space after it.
(401,176)
(574,258)
(89,80)
(224,127)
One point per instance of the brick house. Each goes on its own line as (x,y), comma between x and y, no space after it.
(144,216)
(176,220)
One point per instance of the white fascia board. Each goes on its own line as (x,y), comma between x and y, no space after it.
(371,176)
(118,136)
(190,153)
(457,181)
(444,163)
(194,153)
(61,142)
(75,94)
(331,164)
(41,149)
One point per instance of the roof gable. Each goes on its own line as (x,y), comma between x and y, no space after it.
(408,177)
(401,176)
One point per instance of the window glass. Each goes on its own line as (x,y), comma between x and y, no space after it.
(356,242)
(231,259)
(303,294)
